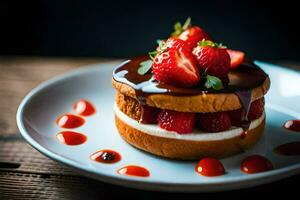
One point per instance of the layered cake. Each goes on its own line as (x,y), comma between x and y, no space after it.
(190,98)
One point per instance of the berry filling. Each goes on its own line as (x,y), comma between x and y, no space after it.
(183,122)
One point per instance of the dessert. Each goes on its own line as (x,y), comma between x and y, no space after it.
(190,98)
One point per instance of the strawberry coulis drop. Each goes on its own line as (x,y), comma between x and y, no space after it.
(288,149)
(292,125)
(84,108)
(106,156)
(70,121)
(210,167)
(133,170)
(71,138)
(256,164)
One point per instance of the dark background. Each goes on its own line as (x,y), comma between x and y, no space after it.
(263,29)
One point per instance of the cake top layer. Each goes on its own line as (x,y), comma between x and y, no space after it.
(246,77)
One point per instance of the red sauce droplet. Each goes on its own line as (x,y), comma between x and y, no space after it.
(70,121)
(106,156)
(84,108)
(289,149)
(210,167)
(292,125)
(133,170)
(256,164)
(71,138)
(244,134)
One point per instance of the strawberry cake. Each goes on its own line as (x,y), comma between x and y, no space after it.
(190,98)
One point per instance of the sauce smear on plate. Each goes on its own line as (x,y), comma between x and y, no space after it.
(256,164)
(292,125)
(71,138)
(70,121)
(133,170)
(84,108)
(289,149)
(106,156)
(210,167)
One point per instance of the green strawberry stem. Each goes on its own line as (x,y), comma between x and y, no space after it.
(204,43)
(178,28)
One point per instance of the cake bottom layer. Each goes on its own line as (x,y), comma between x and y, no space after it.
(176,147)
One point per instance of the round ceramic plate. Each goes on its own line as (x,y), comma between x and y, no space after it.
(39,110)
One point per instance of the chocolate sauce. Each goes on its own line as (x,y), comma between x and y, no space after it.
(241,81)
(245,99)
(244,78)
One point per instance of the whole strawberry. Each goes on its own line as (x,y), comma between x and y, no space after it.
(176,67)
(171,43)
(193,35)
(180,122)
(190,34)
(213,59)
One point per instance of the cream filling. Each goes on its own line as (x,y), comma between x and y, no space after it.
(196,135)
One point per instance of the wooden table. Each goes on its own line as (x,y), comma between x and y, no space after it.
(27,174)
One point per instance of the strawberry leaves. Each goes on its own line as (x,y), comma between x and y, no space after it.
(204,43)
(178,28)
(152,54)
(145,66)
(213,82)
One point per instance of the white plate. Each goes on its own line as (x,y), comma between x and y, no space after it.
(40,108)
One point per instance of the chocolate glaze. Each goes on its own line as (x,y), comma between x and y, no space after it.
(246,77)
(241,82)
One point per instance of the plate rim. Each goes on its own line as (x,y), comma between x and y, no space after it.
(222,185)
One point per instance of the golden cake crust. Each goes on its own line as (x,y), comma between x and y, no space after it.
(185,149)
(199,103)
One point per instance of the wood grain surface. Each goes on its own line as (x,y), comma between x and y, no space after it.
(27,174)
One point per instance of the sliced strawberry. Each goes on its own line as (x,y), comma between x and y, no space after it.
(172,43)
(176,67)
(214,122)
(236,58)
(256,109)
(180,122)
(193,35)
(213,59)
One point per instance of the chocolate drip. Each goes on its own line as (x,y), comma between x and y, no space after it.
(245,99)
